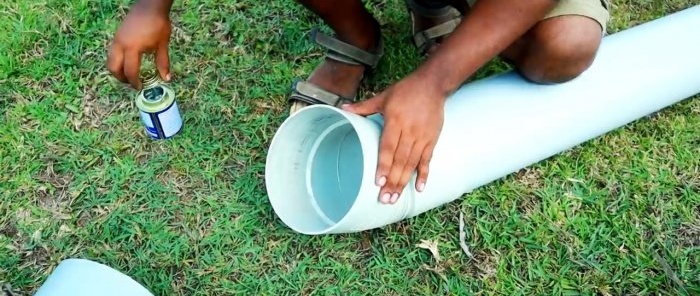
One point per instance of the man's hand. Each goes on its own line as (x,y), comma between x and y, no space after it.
(413,117)
(146,29)
(413,107)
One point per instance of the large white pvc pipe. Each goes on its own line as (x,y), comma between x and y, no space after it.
(80,277)
(321,163)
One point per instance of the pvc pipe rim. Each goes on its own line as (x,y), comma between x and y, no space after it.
(277,145)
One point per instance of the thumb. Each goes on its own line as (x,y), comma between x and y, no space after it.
(163,60)
(366,107)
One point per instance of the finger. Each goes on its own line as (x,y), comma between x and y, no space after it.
(424,166)
(410,167)
(367,107)
(163,60)
(394,198)
(401,158)
(387,147)
(115,62)
(385,197)
(132,66)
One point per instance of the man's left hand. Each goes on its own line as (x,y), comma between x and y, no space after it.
(413,112)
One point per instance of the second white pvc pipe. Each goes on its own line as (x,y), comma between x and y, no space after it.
(321,164)
(82,277)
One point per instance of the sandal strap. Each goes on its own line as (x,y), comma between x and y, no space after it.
(427,11)
(310,93)
(421,38)
(347,53)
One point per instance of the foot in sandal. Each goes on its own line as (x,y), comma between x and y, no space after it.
(431,22)
(336,80)
(354,49)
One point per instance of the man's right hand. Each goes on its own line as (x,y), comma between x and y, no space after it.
(146,29)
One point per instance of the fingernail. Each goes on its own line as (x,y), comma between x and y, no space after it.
(421,186)
(381,181)
(386,197)
(167,77)
(394,198)
(345,106)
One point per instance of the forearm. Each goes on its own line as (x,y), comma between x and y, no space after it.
(489,28)
(160,6)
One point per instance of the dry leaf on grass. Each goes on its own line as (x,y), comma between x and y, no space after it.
(463,237)
(432,246)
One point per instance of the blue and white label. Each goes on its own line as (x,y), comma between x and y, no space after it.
(168,122)
(149,124)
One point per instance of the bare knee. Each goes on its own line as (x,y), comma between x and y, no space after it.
(559,49)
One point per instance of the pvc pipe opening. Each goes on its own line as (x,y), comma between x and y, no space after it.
(314,170)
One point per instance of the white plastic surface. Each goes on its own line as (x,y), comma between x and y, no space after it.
(80,277)
(170,121)
(493,127)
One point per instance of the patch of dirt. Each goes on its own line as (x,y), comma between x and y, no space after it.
(94,112)
(54,199)
(689,235)
(221,32)
(84,219)
(39,256)
(530,177)
(44,198)
(263,106)
(365,244)
(690,178)
(9,230)
(484,264)
(36,53)
(57,180)
(233,166)
(8,290)
(178,183)
(179,281)
(528,205)
(404,228)
(364,250)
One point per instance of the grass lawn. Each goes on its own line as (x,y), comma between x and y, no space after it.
(78,177)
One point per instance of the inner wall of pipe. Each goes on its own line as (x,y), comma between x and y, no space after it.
(336,171)
(315,170)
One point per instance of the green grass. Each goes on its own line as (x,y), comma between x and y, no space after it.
(190,216)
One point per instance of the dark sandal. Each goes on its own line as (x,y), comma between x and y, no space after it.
(312,94)
(426,39)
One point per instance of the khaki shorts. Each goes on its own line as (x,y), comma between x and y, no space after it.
(594,9)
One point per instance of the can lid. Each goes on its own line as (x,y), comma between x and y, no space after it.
(154,94)
(149,77)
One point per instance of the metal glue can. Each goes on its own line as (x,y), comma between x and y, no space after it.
(157,107)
